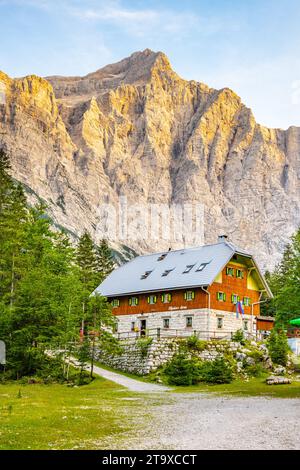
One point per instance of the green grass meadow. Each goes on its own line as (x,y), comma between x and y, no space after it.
(101,415)
(37,416)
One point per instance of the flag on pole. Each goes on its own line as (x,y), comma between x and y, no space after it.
(239,309)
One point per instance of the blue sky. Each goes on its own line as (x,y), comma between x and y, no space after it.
(251,46)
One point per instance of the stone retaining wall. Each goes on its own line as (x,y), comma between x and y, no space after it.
(141,358)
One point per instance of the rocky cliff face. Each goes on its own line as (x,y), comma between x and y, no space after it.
(136,129)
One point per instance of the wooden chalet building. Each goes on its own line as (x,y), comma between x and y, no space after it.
(213,290)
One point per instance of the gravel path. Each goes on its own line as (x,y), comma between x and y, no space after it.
(132,384)
(196,421)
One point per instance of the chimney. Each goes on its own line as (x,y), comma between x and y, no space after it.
(222,238)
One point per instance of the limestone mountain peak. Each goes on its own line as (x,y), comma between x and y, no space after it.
(136,128)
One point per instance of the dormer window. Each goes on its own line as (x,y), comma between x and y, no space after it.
(161,257)
(188,268)
(146,274)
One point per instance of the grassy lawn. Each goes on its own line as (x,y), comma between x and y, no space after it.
(253,387)
(93,416)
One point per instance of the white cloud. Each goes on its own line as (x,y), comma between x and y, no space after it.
(134,21)
(140,22)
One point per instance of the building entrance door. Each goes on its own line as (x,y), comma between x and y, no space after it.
(143,327)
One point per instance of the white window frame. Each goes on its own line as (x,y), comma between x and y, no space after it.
(133,304)
(165,298)
(152,299)
(189,295)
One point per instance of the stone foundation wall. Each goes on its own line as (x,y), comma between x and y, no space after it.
(141,358)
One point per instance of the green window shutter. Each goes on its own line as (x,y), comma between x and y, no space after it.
(155,298)
(148,300)
(224,297)
(136,301)
(169,297)
(193,295)
(163,298)
(130,301)
(185,296)
(232,298)
(238,298)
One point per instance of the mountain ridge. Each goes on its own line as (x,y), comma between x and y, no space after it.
(81,141)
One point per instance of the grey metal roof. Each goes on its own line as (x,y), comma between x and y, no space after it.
(128,278)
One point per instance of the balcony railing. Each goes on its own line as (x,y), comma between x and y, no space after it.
(158,333)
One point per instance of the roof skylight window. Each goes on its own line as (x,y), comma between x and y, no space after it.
(201,267)
(161,257)
(167,272)
(188,268)
(146,274)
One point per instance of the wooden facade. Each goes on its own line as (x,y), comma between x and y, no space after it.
(265,323)
(225,283)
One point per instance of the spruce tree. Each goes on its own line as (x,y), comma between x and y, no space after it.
(105,262)
(86,260)
(285,285)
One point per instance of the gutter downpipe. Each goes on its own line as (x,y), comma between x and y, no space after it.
(252,305)
(208,314)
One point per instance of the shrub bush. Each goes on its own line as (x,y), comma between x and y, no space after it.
(218,371)
(143,344)
(182,371)
(254,370)
(278,347)
(238,336)
(194,343)
(256,355)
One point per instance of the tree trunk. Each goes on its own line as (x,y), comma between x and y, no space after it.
(12,285)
